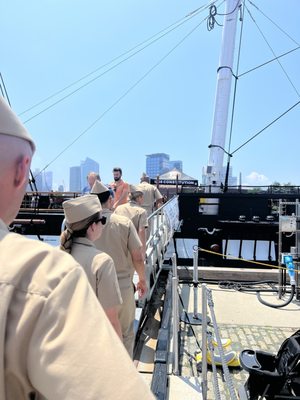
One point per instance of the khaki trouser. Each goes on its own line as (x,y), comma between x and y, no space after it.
(127,316)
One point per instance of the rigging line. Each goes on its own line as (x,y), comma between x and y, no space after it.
(168,29)
(241,259)
(273,52)
(267,62)
(123,95)
(271,123)
(274,23)
(94,79)
(211,19)
(236,80)
(4,87)
(231,12)
(2,91)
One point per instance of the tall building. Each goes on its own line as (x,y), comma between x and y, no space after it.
(43,181)
(75,179)
(47,181)
(160,163)
(37,183)
(86,166)
(175,164)
(157,164)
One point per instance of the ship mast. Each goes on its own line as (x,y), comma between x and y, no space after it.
(222,99)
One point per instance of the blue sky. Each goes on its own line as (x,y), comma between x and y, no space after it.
(46,45)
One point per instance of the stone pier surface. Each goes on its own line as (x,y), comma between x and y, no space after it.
(241,318)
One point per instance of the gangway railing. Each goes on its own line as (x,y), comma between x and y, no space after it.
(207,345)
(161,226)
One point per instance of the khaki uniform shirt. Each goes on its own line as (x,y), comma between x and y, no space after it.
(100,271)
(118,238)
(135,213)
(151,195)
(55,339)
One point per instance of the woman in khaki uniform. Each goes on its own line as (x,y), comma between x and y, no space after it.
(120,240)
(84,224)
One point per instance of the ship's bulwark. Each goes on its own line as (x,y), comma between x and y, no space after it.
(211,231)
(243,217)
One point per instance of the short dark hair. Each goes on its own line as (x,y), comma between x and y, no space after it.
(117,169)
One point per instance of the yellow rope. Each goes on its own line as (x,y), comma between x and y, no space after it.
(242,259)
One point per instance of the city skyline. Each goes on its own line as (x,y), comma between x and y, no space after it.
(78,173)
(39,176)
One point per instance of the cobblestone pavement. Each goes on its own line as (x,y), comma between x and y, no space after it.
(266,338)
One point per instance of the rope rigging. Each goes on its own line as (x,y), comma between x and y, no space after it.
(211,21)
(235,85)
(129,54)
(124,94)
(268,62)
(266,127)
(3,89)
(274,23)
(273,52)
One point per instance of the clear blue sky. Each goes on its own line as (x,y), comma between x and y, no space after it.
(46,45)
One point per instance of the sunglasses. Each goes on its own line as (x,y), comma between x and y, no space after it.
(102,220)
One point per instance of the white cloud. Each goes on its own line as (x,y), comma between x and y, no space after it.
(256,179)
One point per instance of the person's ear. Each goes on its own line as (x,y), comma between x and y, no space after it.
(21,171)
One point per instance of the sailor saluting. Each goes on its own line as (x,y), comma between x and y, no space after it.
(55,340)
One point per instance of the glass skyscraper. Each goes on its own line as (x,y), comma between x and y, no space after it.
(160,163)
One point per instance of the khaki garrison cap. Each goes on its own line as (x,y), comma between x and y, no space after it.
(80,208)
(135,190)
(11,125)
(99,188)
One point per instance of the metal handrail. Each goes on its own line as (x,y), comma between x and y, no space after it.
(161,224)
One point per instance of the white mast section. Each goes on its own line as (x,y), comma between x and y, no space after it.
(222,100)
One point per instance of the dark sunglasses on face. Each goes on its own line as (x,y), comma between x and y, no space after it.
(102,220)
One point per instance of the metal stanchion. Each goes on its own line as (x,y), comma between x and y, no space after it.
(194,318)
(175,312)
(227,375)
(204,341)
(195,282)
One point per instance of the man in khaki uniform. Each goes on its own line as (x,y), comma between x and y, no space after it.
(55,340)
(84,224)
(135,213)
(120,240)
(152,196)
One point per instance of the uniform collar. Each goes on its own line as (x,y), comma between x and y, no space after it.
(106,212)
(84,241)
